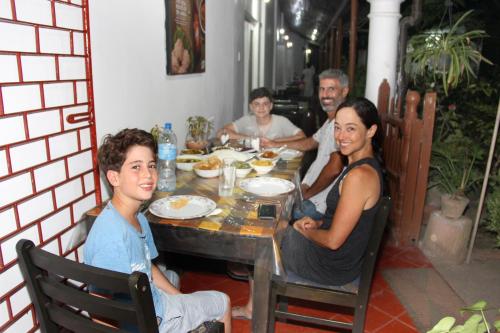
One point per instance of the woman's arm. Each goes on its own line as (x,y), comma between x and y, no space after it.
(360,190)
(162,282)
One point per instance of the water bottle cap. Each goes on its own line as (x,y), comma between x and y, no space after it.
(168,126)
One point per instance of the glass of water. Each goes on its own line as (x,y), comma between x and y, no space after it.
(227,177)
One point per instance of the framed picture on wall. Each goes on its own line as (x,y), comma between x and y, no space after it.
(185,25)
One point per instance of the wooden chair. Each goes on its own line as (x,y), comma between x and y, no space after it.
(57,287)
(356,298)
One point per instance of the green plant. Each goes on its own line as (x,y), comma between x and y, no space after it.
(199,127)
(493,209)
(447,56)
(476,323)
(452,164)
(155,132)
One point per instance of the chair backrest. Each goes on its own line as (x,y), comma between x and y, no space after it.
(370,258)
(57,287)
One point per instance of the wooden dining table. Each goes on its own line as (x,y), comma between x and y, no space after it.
(236,234)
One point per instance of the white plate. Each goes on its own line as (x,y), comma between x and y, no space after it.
(196,207)
(235,155)
(267,186)
(290,154)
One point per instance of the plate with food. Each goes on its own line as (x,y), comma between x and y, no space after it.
(235,155)
(192,152)
(208,168)
(269,155)
(267,186)
(242,169)
(182,207)
(186,162)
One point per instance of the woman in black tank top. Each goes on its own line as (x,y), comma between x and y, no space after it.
(331,251)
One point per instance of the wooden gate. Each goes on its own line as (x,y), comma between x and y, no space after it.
(407,151)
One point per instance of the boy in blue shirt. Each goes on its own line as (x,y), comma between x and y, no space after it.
(121,240)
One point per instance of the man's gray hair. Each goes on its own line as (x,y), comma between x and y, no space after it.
(336,74)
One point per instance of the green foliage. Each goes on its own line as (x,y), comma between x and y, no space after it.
(493,209)
(476,323)
(199,127)
(445,56)
(155,132)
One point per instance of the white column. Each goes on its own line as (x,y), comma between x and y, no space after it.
(382,45)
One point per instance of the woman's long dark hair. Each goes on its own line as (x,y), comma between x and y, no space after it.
(368,114)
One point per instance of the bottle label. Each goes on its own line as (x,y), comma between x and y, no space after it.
(167,151)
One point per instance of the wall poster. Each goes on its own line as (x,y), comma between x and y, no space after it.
(185,25)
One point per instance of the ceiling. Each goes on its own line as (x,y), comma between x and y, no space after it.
(304,16)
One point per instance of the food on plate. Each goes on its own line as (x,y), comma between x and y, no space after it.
(192,152)
(187,160)
(179,203)
(210,163)
(241,165)
(269,154)
(262,163)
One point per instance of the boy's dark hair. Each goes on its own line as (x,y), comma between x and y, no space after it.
(114,148)
(259,93)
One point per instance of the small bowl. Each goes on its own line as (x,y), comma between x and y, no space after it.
(207,173)
(269,155)
(189,161)
(262,166)
(192,152)
(242,173)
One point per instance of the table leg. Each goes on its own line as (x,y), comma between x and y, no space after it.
(262,290)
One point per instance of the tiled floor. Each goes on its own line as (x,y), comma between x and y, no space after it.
(385,313)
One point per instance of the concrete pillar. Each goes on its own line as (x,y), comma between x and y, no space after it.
(382,45)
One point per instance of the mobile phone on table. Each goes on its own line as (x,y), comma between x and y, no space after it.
(266,212)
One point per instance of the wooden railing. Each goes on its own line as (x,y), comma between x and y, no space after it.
(406,152)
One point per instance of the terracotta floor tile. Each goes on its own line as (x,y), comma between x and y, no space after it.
(386,301)
(405,318)
(395,326)
(376,318)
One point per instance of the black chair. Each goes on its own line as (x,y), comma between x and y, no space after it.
(58,289)
(356,298)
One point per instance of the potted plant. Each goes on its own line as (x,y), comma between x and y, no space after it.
(452,171)
(446,56)
(198,130)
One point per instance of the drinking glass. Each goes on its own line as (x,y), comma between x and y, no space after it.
(227,177)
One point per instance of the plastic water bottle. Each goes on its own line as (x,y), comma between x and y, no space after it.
(167,153)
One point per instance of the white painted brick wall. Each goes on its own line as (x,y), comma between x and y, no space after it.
(85,138)
(80,163)
(17,37)
(73,110)
(52,247)
(88,182)
(78,43)
(24,324)
(35,208)
(21,98)
(12,129)
(4,312)
(3,163)
(15,188)
(19,301)
(8,68)
(5,12)
(81,92)
(27,155)
(35,11)
(82,206)
(43,123)
(57,94)
(7,222)
(69,16)
(49,175)
(54,41)
(71,68)
(68,192)
(9,246)
(63,144)
(38,68)
(10,278)
(55,223)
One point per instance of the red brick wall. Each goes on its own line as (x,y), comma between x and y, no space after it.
(47,173)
